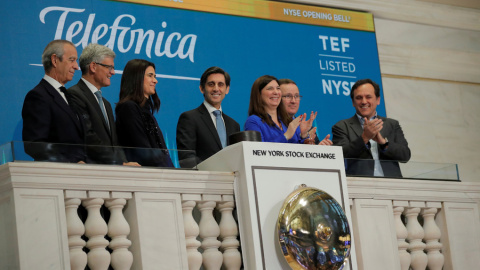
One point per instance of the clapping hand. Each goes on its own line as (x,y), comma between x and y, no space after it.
(306,125)
(371,128)
(292,127)
(326,141)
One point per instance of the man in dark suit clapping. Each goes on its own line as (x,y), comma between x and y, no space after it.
(372,144)
(206,128)
(51,129)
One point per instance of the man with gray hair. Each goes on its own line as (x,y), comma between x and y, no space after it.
(51,129)
(97,66)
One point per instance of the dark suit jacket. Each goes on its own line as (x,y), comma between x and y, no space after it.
(196,131)
(99,136)
(49,119)
(138,128)
(348,134)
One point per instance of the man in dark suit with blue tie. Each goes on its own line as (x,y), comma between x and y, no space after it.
(206,128)
(372,144)
(51,129)
(97,66)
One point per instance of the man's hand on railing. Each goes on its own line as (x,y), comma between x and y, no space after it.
(131,164)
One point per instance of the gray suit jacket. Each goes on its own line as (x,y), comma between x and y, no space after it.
(196,131)
(347,133)
(99,136)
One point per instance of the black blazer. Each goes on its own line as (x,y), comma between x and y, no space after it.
(99,136)
(348,134)
(137,127)
(48,118)
(196,131)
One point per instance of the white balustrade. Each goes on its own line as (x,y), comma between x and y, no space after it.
(415,236)
(402,234)
(95,230)
(191,232)
(118,230)
(228,233)
(209,231)
(54,191)
(75,230)
(432,236)
(430,233)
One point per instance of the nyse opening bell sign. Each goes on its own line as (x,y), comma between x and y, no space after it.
(323,50)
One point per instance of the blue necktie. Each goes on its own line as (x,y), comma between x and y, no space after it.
(222,133)
(98,94)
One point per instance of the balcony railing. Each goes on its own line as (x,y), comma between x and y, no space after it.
(39,151)
(153,218)
(96,154)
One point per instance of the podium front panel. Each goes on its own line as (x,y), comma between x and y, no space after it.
(266,173)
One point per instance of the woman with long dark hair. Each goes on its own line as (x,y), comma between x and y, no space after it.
(272,120)
(136,125)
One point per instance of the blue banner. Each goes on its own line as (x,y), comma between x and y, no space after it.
(324,61)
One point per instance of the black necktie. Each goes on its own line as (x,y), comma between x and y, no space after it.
(64,91)
(69,101)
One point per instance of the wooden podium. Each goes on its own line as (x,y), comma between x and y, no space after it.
(265,173)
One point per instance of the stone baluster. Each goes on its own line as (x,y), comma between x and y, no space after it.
(95,230)
(191,232)
(209,231)
(75,230)
(228,233)
(432,236)
(118,230)
(402,234)
(415,236)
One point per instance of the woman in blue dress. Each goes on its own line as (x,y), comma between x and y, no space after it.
(272,120)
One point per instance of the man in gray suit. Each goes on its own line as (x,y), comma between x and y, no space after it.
(376,142)
(97,66)
(206,128)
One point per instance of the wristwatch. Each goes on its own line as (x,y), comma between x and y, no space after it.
(383,146)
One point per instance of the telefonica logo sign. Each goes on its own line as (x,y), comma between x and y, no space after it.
(174,45)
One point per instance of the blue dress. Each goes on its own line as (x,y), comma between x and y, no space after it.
(271,133)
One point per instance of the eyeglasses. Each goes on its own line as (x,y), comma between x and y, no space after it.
(110,68)
(290,97)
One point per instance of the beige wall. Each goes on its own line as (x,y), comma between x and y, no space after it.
(430,62)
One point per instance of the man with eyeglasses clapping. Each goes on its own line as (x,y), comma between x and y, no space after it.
(291,101)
